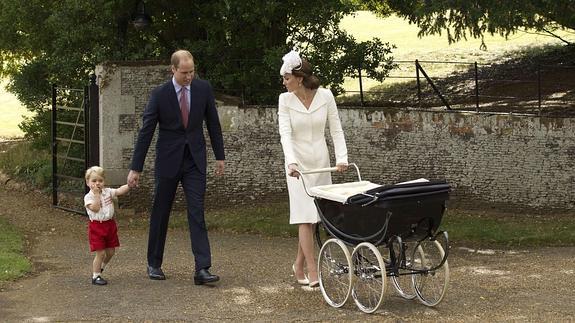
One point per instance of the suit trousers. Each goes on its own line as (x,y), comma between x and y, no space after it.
(194,185)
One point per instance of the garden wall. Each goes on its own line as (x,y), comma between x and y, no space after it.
(505,161)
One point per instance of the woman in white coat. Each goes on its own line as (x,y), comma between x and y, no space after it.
(303,112)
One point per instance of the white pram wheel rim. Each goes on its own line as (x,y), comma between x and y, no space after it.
(335,272)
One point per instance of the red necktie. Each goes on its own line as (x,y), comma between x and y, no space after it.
(184,106)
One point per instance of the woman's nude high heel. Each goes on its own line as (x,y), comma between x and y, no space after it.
(304,281)
(314,284)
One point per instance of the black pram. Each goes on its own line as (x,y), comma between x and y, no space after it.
(391,231)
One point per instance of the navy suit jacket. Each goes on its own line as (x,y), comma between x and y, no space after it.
(163,110)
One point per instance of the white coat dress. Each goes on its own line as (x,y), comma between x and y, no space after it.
(303,141)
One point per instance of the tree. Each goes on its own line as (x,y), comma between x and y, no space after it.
(460,18)
(238,45)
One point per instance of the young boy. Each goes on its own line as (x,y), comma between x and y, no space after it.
(102,228)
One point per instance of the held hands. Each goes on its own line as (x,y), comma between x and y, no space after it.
(134,176)
(133,179)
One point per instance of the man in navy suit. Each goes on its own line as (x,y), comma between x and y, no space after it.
(180,107)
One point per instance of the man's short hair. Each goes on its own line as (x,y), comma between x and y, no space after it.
(178,55)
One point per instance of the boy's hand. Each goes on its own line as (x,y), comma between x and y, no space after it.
(96,190)
(123,190)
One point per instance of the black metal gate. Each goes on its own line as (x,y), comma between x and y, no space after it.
(75,143)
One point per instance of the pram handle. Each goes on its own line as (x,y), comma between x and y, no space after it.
(323,170)
(327,169)
(318,170)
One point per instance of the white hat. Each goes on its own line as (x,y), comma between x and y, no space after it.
(292,61)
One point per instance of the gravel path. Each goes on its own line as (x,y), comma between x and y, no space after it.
(257,285)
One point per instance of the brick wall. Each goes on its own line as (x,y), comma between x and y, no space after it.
(492,160)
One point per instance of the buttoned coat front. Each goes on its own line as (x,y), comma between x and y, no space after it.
(302,133)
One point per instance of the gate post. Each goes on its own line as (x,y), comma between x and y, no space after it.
(360,85)
(476,88)
(418,83)
(93,122)
(54,149)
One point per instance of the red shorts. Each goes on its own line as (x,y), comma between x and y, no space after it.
(103,235)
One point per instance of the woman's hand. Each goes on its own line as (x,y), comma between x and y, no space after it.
(341,167)
(293,170)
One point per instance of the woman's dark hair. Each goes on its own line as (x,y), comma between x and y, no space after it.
(310,81)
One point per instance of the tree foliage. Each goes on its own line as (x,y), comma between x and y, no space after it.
(463,18)
(238,44)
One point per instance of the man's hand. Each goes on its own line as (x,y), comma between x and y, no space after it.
(219,167)
(133,179)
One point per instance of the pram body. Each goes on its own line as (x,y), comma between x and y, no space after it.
(391,230)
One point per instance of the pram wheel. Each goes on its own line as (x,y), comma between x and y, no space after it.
(334,269)
(403,283)
(369,270)
(431,284)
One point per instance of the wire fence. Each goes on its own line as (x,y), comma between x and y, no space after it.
(534,89)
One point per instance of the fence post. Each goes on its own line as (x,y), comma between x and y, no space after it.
(54,150)
(476,89)
(360,85)
(93,124)
(539,86)
(435,89)
(87,131)
(418,83)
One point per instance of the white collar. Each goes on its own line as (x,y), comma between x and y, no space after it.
(177,86)
(317,102)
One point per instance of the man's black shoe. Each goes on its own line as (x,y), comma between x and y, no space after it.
(99,281)
(156,273)
(203,276)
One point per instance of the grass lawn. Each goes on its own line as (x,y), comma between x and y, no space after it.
(509,230)
(12,263)
(12,113)
(365,26)
(477,228)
